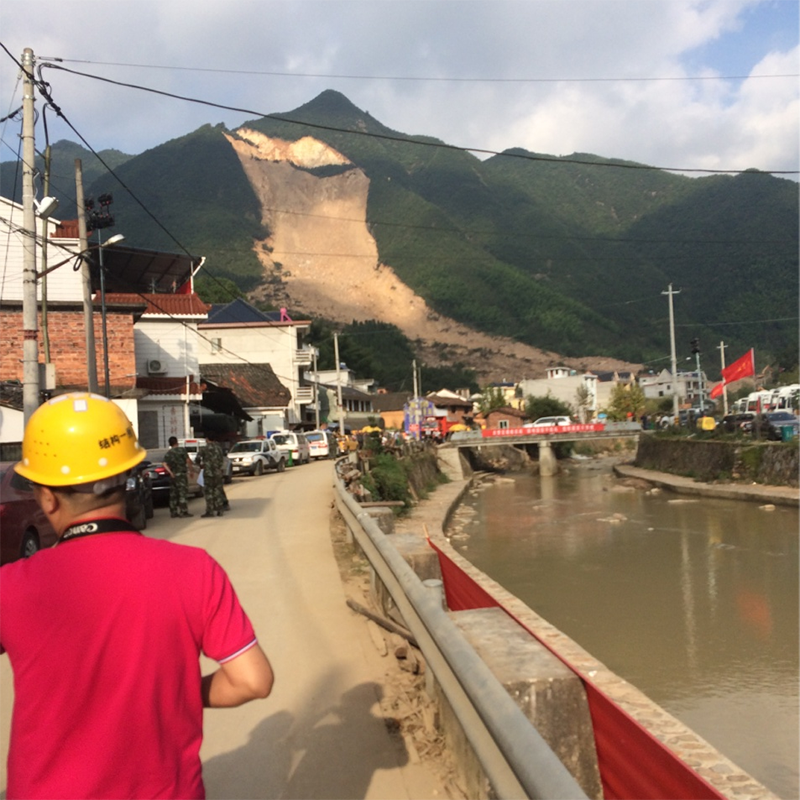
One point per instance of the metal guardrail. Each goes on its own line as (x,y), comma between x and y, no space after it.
(516,759)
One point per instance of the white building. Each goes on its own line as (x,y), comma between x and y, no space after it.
(688,385)
(238,333)
(565,385)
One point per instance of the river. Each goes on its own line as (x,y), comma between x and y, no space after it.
(695,602)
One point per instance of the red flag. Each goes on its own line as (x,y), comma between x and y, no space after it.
(717,390)
(744,367)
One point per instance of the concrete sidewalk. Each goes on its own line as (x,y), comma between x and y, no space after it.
(756,492)
(320,734)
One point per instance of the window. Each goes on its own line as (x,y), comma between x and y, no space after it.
(216,345)
(503,424)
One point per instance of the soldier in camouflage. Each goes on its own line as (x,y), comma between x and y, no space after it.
(212,460)
(177,463)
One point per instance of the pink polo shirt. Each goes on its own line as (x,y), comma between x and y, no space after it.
(104,635)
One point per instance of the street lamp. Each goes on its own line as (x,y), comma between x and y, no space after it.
(96,220)
(115,239)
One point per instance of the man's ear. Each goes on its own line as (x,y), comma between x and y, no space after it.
(47,499)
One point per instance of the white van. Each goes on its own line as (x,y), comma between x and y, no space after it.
(320,444)
(295,445)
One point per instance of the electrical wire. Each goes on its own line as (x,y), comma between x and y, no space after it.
(411,78)
(409,140)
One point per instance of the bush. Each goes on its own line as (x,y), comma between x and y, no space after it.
(389,479)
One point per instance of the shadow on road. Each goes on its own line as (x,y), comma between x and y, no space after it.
(332,756)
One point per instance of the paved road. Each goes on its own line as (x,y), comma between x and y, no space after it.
(319,735)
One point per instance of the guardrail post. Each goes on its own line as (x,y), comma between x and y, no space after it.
(435,588)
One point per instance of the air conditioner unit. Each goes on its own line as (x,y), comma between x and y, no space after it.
(155,367)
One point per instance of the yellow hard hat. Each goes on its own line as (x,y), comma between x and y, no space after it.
(78,438)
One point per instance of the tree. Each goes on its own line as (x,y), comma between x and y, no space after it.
(217,290)
(626,398)
(492,397)
(583,399)
(547,406)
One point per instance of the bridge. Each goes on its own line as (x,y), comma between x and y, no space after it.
(544,437)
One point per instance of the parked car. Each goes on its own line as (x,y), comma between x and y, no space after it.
(321,444)
(24,528)
(139,505)
(159,477)
(192,448)
(547,422)
(295,445)
(731,423)
(256,456)
(773,424)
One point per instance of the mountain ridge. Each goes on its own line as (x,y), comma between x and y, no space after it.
(566,257)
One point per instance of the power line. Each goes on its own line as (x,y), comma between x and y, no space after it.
(415,78)
(616,164)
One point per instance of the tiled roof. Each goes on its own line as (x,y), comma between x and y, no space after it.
(390,401)
(240,312)
(507,411)
(178,305)
(255,385)
(442,401)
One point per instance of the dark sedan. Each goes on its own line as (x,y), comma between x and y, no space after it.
(159,477)
(24,529)
(139,497)
(779,425)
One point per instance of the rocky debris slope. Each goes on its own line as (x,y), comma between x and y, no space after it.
(322,260)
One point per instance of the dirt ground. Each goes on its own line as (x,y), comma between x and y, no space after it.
(405,705)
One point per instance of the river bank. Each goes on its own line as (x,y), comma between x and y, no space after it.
(433,517)
(754,492)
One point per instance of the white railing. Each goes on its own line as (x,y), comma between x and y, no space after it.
(303,357)
(304,394)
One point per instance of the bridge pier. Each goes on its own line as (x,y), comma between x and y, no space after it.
(547,460)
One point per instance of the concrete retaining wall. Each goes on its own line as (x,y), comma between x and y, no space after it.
(772,463)
(515,665)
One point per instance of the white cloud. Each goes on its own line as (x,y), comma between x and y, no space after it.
(685,124)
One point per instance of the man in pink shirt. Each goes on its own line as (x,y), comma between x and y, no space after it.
(104,630)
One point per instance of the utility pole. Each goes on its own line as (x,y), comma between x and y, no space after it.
(45,192)
(315,353)
(338,383)
(86,280)
(30,329)
(721,349)
(675,402)
(415,417)
(696,351)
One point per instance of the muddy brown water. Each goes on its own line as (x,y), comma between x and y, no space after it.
(695,602)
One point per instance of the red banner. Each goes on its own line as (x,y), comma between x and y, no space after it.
(717,390)
(634,765)
(745,367)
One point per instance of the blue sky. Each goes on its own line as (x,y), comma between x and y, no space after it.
(519,65)
(771,25)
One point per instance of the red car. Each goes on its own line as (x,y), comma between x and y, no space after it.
(24,529)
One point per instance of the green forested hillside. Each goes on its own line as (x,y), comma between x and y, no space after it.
(62,173)
(571,257)
(194,197)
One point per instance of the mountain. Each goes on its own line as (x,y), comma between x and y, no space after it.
(62,173)
(571,255)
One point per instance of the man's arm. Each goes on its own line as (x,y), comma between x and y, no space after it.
(244,678)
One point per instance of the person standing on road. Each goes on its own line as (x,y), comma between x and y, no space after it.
(178,464)
(212,460)
(105,629)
